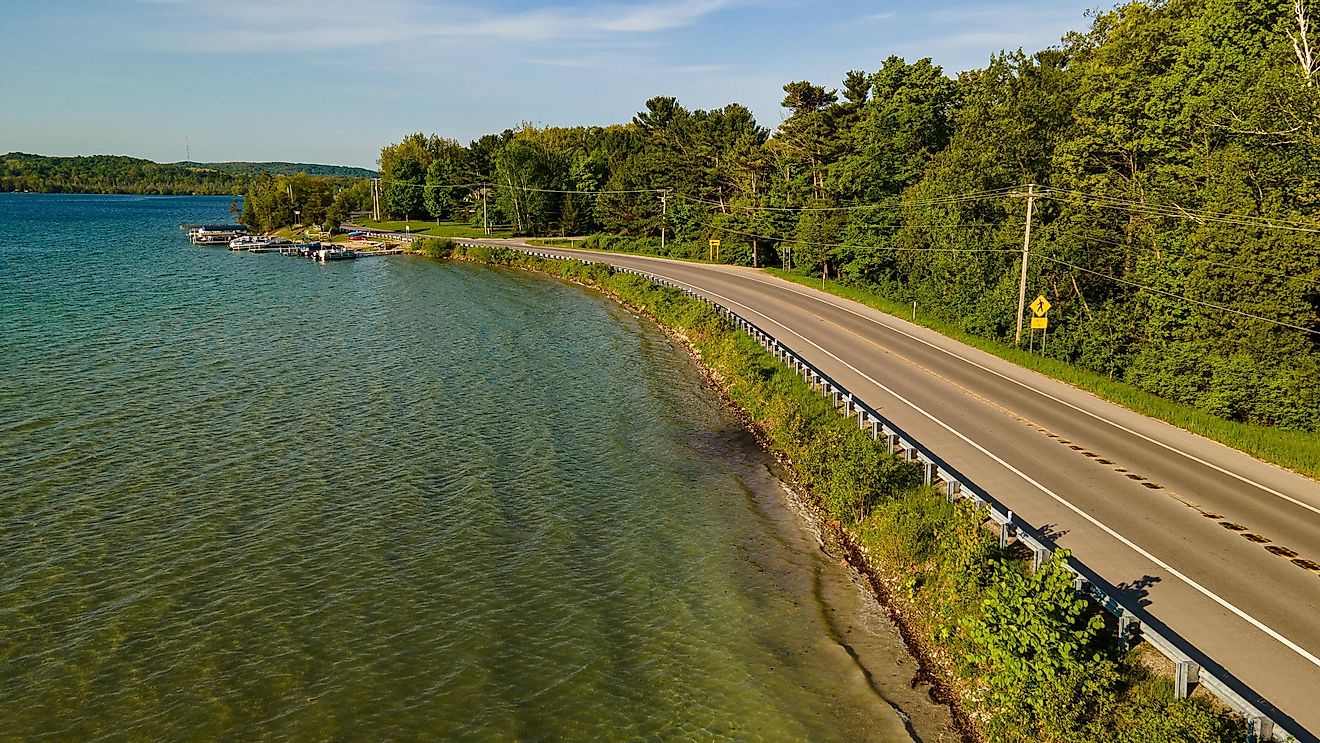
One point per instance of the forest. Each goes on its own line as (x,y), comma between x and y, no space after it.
(110,174)
(122,174)
(1168,154)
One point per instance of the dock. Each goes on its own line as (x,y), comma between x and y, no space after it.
(209,234)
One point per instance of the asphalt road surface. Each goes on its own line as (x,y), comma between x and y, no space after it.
(1223,547)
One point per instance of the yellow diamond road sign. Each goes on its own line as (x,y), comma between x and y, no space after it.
(1040,323)
(1040,306)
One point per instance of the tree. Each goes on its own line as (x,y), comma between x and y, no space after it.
(403,188)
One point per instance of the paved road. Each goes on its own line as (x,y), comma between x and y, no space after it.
(1166,515)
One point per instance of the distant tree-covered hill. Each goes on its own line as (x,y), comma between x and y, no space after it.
(120,174)
(281,168)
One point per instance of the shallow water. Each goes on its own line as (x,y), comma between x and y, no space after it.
(245,496)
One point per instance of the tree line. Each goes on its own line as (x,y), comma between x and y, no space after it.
(111,174)
(1170,153)
(301,182)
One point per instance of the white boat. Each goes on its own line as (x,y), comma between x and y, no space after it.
(248,242)
(334,254)
(214,234)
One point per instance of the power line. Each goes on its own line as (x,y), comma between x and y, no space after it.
(1263,272)
(1302,280)
(936,201)
(1211,305)
(795,241)
(1178,212)
(531,189)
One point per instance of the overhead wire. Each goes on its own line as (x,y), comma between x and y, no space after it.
(1179,212)
(1058,194)
(1183,297)
(937,201)
(728,230)
(407,184)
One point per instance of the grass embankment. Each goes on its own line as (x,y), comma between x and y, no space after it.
(300,233)
(1025,658)
(1295,450)
(430,229)
(555,242)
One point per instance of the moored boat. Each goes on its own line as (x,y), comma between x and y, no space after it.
(248,242)
(335,253)
(215,234)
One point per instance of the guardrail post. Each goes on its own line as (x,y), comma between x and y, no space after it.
(1039,556)
(892,441)
(875,429)
(1128,626)
(928,472)
(1081,585)
(1259,728)
(1006,532)
(951,489)
(1185,675)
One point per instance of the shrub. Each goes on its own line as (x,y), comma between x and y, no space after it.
(435,247)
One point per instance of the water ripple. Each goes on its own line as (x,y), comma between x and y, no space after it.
(247,497)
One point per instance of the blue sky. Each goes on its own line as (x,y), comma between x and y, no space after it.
(331,81)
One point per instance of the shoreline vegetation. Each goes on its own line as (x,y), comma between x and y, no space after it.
(1166,156)
(1296,450)
(1017,655)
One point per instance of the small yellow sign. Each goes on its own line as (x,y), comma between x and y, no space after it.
(1040,323)
(714,242)
(1040,306)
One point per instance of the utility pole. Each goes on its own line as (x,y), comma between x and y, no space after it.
(375,199)
(1026,253)
(517,213)
(664,217)
(485,219)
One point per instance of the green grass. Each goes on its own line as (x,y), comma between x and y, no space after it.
(421,227)
(1022,651)
(299,234)
(1296,450)
(554,242)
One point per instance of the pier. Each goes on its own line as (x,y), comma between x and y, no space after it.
(236,239)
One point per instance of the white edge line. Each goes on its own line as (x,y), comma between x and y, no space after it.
(790,287)
(1129,543)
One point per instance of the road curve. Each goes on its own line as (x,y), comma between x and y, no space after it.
(1215,542)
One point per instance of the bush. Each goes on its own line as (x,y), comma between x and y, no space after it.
(434,247)
(1037,647)
(1041,666)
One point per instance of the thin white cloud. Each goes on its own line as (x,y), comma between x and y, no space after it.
(874,18)
(660,16)
(275,25)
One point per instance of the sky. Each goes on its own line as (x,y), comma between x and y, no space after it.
(332,81)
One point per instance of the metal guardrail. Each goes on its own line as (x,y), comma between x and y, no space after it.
(406,237)
(1192,667)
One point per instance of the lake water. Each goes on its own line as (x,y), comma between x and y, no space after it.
(252,497)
